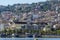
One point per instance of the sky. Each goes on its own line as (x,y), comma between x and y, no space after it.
(11,2)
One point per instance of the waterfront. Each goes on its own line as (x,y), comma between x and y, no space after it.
(29,38)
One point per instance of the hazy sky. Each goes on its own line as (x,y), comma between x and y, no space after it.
(10,2)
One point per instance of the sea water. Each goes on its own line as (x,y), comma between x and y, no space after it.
(29,38)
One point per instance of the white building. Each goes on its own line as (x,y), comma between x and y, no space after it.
(1,27)
(35,16)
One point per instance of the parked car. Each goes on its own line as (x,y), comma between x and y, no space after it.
(3,35)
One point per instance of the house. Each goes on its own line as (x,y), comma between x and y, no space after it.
(1,27)
(6,15)
(35,27)
(56,26)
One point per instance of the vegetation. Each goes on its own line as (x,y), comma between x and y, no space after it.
(50,32)
(28,8)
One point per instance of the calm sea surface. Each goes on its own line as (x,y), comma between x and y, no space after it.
(29,38)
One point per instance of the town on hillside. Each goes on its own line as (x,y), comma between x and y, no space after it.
(38,20)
